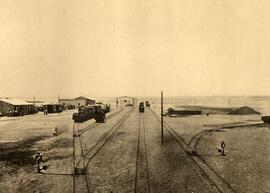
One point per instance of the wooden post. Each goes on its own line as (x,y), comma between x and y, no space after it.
(34,101)
(73,141)
(161,114)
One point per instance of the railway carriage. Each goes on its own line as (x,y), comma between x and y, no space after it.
(86,113)
(141,107)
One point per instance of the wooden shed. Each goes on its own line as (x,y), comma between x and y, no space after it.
(15,107)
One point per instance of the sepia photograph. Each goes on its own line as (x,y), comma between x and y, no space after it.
(135,96)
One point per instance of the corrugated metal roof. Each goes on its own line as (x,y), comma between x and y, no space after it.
(66,99)
(15,101)
(83,97)
(41,104)
(125,97)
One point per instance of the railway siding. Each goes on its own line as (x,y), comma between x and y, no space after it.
(114,167)
(207,171)
(88,143)
(170,169)
(142,181)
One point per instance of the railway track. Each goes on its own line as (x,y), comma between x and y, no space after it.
(217,181)
(81,131)
(193,142)
(82,179)
(142,180)
(137,156)
(197,137)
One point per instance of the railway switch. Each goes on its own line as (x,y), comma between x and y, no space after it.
(222,147)
(222,150)
(38,158)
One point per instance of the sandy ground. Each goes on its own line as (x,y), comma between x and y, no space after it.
(170,170)
(245,166)
(187,127)
(21,138)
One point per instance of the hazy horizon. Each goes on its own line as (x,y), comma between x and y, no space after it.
(137,48)
(142,97)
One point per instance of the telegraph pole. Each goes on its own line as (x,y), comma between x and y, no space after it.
(161,114)
(34,101)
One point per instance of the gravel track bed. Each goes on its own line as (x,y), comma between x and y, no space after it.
(113,168)
(170,169)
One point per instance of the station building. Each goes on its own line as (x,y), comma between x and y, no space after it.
(14,107)
(67,102)
(125,101)
(79,101)
(84,101)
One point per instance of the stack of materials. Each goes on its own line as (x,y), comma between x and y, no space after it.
(244,111)
(180,112)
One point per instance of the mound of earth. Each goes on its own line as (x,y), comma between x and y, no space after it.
(244,111)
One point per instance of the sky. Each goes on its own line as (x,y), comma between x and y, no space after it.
(137,48)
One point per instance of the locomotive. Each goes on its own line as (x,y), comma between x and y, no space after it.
(147,104)
(141,107)
(99,116)
(88,112)
(106,108)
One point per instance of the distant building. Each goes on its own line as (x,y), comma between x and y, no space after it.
(79,101)
(15,107)
(125,101)
(67,102)
(83,101)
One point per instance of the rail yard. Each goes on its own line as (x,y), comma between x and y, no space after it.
(124,153)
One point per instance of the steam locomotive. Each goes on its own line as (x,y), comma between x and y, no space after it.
(141,107)
(89,112)
(106,108)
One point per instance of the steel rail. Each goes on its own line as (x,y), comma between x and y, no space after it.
(180,140)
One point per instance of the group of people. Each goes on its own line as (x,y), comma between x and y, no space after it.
(45,112)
